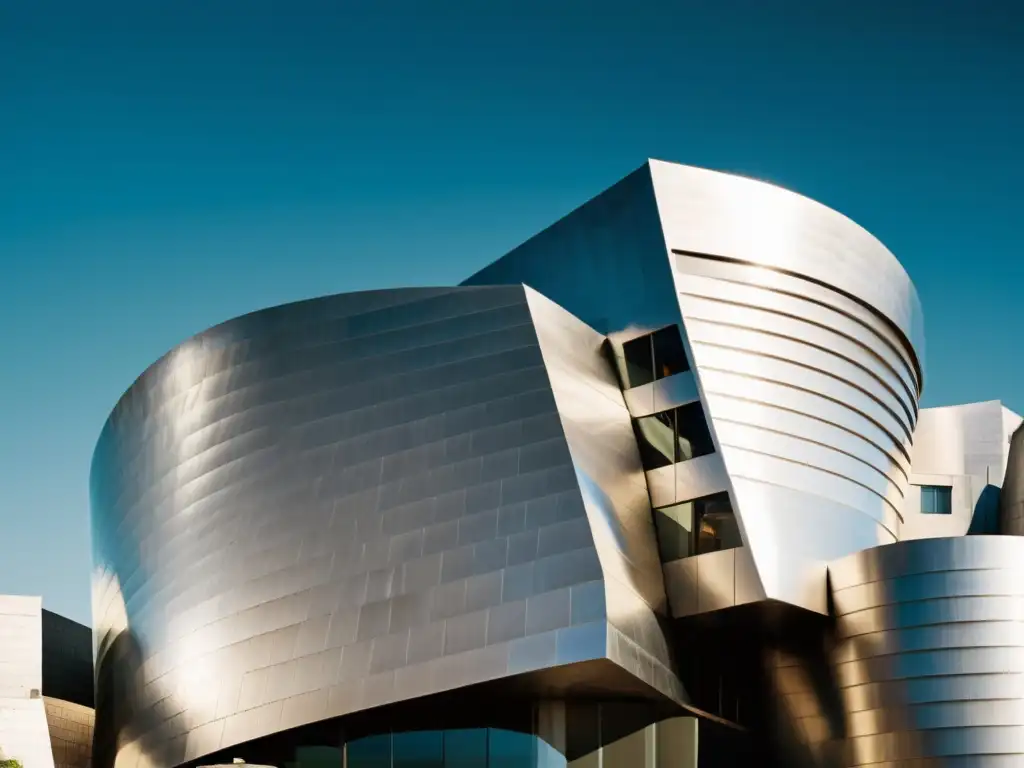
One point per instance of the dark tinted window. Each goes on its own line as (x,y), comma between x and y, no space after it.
(656,437)
(639,360)
(418,749)
(371,752)
(936,500)
(692,430)
(674,528)
(696,527)
(716,525)
(654,356)
(673,436)
(465,749)
(669,357)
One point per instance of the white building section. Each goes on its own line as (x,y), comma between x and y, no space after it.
(24,735)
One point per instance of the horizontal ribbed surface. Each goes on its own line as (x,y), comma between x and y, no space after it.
(930,657)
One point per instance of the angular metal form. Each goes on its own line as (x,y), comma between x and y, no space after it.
(962,451)
(547,517)
(804,335)
(330,506)
(1011,502)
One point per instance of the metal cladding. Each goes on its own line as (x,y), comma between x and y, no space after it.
(327,506)
(638,449)
(1011,501)
(804,334)
(930,659)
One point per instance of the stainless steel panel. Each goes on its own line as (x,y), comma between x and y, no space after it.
(929,660)
(661,395)
(604,454)
(336,504)
(787,307)
(711,582)
(966,448)
(686,480)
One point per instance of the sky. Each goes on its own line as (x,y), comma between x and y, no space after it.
(166,165)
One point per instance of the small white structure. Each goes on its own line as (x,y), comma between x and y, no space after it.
(24,735)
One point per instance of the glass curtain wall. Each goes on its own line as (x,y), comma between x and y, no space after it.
(563,734)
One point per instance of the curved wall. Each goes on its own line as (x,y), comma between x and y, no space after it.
(930,656)
(805,336)
(1011,500)
(804,333)
(342,503)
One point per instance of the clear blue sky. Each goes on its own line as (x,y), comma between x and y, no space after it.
(167,165)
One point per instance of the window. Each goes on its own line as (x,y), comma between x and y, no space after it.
(936,500)
(673,436)
(655,356)
(696,527)
(716,525)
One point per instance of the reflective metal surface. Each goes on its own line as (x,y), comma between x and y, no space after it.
(662,395)
(1011,509)
(328,506)
(804,338)
(963,448)
(71,731)
(798,323)
(930,652)
(711,582)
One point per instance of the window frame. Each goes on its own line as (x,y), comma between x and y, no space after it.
(936,499)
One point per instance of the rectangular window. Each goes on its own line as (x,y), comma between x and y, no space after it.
(639,359)
(654,356)
(673,436)
(669,357)
(936,500)
(696,527)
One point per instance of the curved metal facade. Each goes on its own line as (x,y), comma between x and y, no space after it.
(1011,501)
(332,505)
(804,334)
(799,325)
(930,657)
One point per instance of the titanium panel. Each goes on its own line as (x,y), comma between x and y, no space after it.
(929,656)
(661,395)
(804,336)
(1011,502)
(599,435)
(332,505)
(711,582)
(805,341)
(965,448)
(71,729)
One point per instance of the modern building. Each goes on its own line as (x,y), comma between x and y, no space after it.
(653,489)
(46,686)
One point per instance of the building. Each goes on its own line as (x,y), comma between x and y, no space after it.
(644,491)
(46,686)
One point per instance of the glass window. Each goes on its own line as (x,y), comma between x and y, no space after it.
(510,749)
(674,528)
(936,500)
(673,436)
(370,752)
(418,749)
(465,748)
(696,527)
(638,355)
(716,524)
(654,356)
(669,356)
(656,437)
